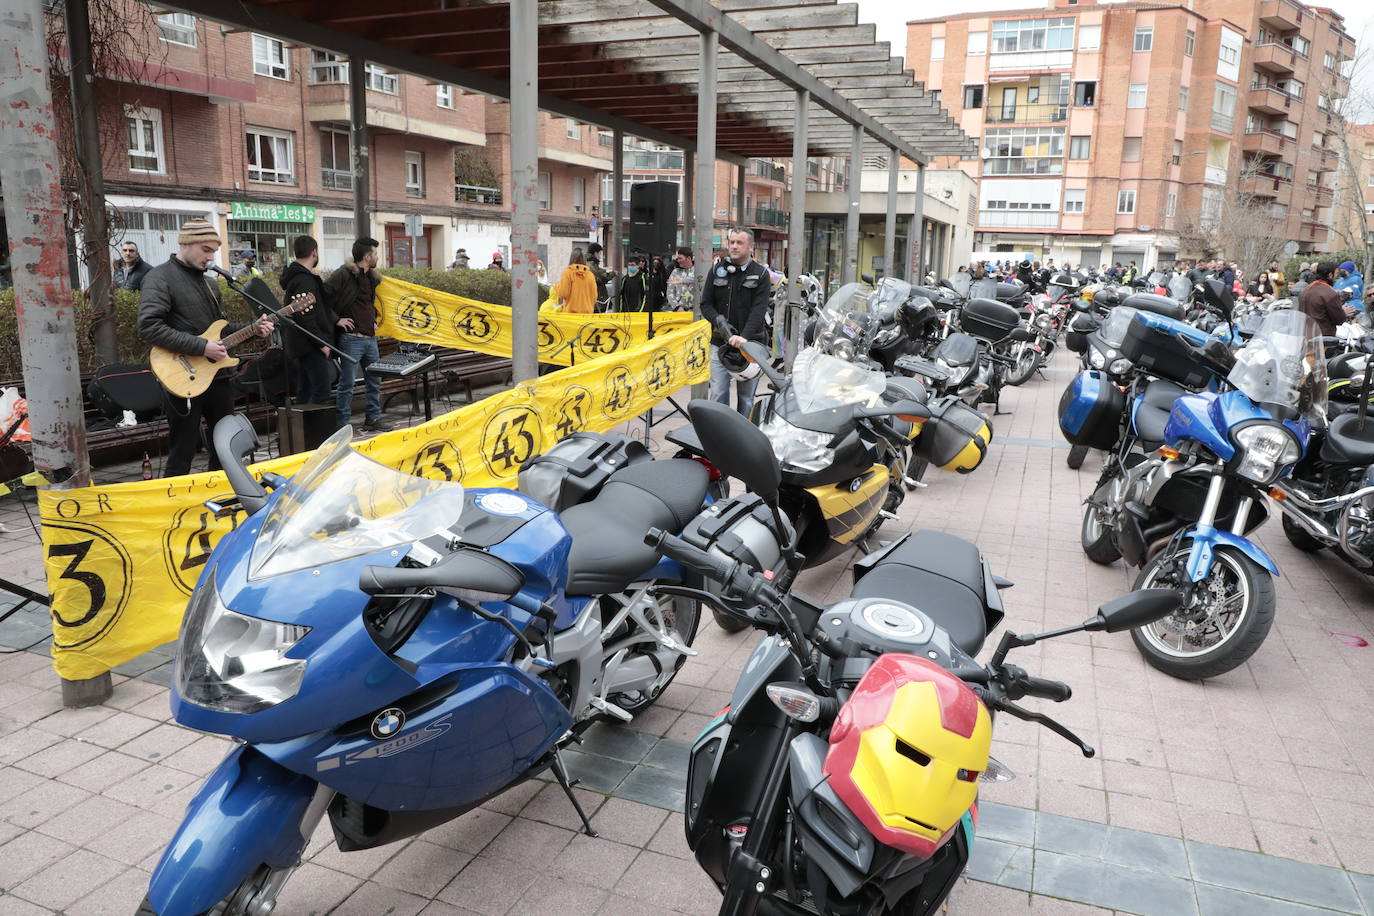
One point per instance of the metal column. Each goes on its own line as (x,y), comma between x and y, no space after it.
(740,219)
(915,242)
(524,174)
(617,246)
(357,125)
(96,229)
(688,188)
(796,229)
(894,161)
(706,164)
(851,221)
(34,205)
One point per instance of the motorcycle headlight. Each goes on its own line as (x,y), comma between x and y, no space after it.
(1096,358)
(230,662)
(1119,366)
(1263,450)
(1044,322)
(799,449)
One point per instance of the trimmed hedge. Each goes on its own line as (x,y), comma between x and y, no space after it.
(1290,270)
(486,285)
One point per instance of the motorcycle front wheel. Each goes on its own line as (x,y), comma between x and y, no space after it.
(239,903)
(1223,624)
(1027,361)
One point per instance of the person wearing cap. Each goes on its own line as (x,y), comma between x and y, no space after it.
(248,265)
(460,259)
(496,262)
(178,303)
(601,275)
(1350,281)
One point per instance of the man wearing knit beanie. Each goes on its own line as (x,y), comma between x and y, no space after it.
(178,304)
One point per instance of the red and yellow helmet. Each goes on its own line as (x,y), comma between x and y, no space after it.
(906,752)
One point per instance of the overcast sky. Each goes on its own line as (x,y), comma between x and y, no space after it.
(891,17)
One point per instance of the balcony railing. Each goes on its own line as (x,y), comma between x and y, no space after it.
(1270,99)
(336,179)
(1280,15)
(764,216)
(474,194)
(1017,165)
(1275,57)
(1214,174)
(766,170)
(1259,140)
(1223,123)
(662,160)
(1320,190)
(1018,219)
(1031,113)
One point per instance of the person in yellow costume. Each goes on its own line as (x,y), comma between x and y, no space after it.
(576,289)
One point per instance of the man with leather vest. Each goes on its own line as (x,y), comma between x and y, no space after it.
(738,290)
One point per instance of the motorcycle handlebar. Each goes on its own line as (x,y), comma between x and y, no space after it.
(718,568)
(1046,689)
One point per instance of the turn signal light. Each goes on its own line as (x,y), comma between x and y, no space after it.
(1277,495)
(1167,452)
(911,418)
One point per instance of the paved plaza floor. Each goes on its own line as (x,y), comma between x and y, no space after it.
(1250,794)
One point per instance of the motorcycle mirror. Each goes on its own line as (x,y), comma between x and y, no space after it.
(474,575)
(737,447)
(234,440)
(758,353)
(867,278)
(1020,334)
(1135,609)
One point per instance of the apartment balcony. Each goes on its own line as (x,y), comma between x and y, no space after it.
(473,194)
(1327,158)
(1033,113)
(1270,187)
(1320,194)
(763,216)
(1018,219)
(1275,57)
(1270,100)
(1214,174)
(1269,142)
(1312,232)
(336,179)
(653,160)
(327,103)
(765,171)
(1280,15)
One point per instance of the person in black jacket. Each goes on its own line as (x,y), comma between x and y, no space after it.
(636,290)
(312,373)
(178,303)
(739,291)
(130,269)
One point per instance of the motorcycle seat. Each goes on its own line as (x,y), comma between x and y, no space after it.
(685,437)
(1346,443)
(608,550)
(1153,413)
(939,574)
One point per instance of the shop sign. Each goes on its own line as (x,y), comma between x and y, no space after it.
(277,213)
(568,231)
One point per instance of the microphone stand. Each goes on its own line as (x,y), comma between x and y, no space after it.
(276,313)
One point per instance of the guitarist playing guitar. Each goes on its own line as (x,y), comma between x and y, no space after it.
(179,302)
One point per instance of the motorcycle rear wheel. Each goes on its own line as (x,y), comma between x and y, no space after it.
(685,614)
(1098,540)
(1300,538)
(1076,455)
(1239,594)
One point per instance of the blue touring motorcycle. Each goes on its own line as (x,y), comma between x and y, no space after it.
(389,651)
(1185,484)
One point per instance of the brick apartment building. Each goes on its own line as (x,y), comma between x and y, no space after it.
(1353,226)
(1111,132)
(252,134)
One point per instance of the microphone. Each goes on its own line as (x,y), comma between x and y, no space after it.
(221,271)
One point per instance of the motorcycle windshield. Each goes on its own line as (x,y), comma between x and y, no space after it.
(1180,288)
(1114,328)
(1284,364)
(889,296)
(821,382)
(961,283)
(986,288)
(342,504)
(846,325)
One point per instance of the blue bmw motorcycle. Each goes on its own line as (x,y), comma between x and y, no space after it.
(390,651)
(1185,482)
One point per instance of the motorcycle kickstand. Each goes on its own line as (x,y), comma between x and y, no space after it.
(560,773)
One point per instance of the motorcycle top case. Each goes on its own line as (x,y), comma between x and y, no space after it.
(1076,338)
(989,319)
(1090,410)
(956,437)
(574,468)
(1155,344)
(1152,302)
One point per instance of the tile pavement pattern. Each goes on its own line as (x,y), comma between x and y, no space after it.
(1250,794)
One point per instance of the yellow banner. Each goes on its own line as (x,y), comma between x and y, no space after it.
(406,311)
(122,560)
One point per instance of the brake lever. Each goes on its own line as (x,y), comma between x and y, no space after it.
(1026,715)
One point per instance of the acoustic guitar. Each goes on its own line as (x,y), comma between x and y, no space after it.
(186,376)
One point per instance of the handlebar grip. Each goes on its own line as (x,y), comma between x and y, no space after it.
(722,570)
(1047,689)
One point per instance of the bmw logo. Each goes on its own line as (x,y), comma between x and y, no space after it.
(388,722)
(855,484)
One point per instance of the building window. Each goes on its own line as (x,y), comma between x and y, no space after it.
(1228,54)
(443,96)
(978,43)
(1085,94)
(1135,95)
(415,174)
(1299,44)
(1125,202)
(270,58)
(382,80)
(1171,204)
(336,160)
(1074,199)
(1182,98)
(1224,107)
(1177,156)
(1144,39)
(579,189)
(572,129)
(145,140)
(1024,151)
(934,95)
(270,156)
(937,49)
(177,28)
(1189,43)
(1292,87)
(973,96)
(1130,149)
(1080,147)
(1011,36)
(328,68)
(546,191)
(1329,61)
(1089,37)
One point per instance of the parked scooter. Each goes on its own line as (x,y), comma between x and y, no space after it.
(390,651)
(843,776)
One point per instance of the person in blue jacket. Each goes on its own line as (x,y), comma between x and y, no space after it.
(1352,281)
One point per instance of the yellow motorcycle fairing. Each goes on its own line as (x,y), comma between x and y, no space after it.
(850,506)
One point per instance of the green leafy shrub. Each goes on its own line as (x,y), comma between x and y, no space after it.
(483,285)
(1358,255)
